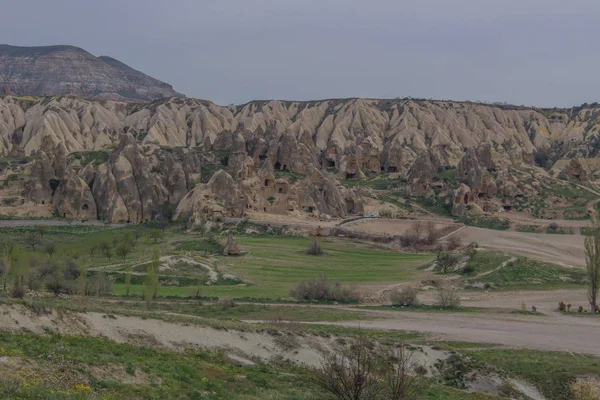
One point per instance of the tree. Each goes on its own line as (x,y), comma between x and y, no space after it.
(33,239)
(446,261)
(592,261)
(8,248)
(128,281)
(151,280)
(397,373)
(351,373)
(82,281)
(18,289)
(115,242)
(123,249)
(155,235)
(108,253)
(41,230)
(50,249)
(93,250)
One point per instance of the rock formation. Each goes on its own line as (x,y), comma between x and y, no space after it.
(231,247)
(140,160)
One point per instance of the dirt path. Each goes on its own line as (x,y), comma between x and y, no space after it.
(555,248)
(552,332)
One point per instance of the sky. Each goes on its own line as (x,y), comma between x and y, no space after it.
(531,52)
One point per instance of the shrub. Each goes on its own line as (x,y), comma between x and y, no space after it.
(227,303)
(405,297)
(98,285)
(587,388)
(322,289)
(468,269)
(453,243)
(350,373)
(360,372)
(562,306)
(315,249)
(448,299)
(580,309)
(454,370)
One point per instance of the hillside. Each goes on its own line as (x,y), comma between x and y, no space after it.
(61,70)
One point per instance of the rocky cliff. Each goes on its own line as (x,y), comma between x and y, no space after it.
(60,70)
(137,159)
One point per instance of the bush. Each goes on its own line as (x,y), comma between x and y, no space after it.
(227,303)
(562,306)
(315,249)
(322,289)
(468,269)
(448,299)
(359,372)
(405,297)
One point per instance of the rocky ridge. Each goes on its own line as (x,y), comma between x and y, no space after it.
(188,158)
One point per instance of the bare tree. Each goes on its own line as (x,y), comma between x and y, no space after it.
(398,373)
(123,249)
(350,374)
(33,239)
(446,261)
(417,229)
(453,242)
(592,261)
(8,249)
(41,230)
(50,249)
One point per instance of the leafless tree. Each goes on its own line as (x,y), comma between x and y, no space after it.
(446,261)
(350,374)
(398,373)
(33,239)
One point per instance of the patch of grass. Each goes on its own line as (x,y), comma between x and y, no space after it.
(482,221)
(528,273)
(483,261)
(68,365)
(528,228)
(276,264)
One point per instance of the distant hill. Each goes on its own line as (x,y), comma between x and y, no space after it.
(61,70)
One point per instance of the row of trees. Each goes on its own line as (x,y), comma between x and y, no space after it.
(31,265)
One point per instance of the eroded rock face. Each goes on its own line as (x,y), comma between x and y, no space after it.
(73,198)
(231,247)
(38,187)
(575,170)
(125,188)
(284,157)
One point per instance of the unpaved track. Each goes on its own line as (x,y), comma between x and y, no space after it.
(555,332)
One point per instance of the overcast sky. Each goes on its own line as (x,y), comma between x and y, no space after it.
(532,52)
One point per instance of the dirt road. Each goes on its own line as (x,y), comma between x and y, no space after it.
(551,332)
